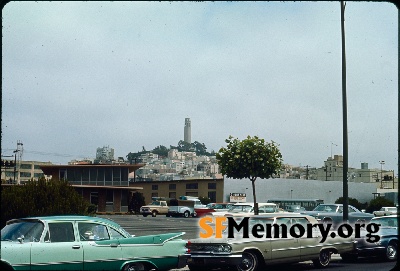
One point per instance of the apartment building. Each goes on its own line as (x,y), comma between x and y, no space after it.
(23,172)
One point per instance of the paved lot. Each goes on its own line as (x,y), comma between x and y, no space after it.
(140,225)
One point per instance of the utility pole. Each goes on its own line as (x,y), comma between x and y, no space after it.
(15,164)
(344,106)
(307,172)
(382,163)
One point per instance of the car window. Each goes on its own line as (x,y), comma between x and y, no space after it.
(325,208)
(60,232)
(92,231)
(284,220)
(351,210)
(27,230)
(386,222)
(115,234)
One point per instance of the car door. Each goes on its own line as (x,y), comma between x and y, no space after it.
(60,249)
(101,251)
(285,248)
(309,246)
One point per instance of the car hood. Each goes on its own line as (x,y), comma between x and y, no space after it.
(313,213)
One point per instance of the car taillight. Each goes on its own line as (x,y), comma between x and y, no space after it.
(187,246)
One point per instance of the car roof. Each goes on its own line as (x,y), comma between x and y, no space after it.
(277,215)
(386,216)
(252,204)
(68,218)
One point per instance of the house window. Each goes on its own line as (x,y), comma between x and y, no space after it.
(154,187)
(192,186)
(212,186)
(63,174)
(110,196)
(154,194)
(172,186)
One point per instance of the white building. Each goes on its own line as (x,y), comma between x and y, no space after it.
(105,154)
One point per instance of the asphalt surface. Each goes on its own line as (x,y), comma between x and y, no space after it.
(139,225)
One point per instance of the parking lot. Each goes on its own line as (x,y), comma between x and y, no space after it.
(139,225)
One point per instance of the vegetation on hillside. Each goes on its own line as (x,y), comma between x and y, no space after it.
(199,148)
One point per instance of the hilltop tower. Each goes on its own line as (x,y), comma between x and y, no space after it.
(187,136)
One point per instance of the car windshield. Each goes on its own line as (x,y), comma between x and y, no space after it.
(29,231)
(240,208)
(386,221)
(326,208)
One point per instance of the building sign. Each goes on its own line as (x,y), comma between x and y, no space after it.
(237,197)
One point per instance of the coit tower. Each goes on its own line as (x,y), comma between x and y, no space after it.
(187,136)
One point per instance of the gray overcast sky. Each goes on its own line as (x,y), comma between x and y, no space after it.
(82,75)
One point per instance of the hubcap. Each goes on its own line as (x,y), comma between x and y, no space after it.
(247,263)
(391,252)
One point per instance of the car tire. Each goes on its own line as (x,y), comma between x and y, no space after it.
(135,267)
(167,215)
(391,251)
(324,258)
(144,215)
(249,262)
(186,214)
(154,213)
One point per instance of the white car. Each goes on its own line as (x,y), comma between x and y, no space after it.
(384,211)
(247,207)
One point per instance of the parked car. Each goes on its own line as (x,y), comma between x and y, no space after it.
(250,254)
(185,206)
(333,213)
(386,211)
(386,247)
(295,209)
(213,207)
(157,207)
(247,207)
(86,243)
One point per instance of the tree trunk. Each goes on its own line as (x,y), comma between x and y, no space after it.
(253,180)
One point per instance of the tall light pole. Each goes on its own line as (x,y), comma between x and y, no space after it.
(344,106)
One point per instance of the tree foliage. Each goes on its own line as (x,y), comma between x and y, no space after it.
(377,203)
(199,148)
(41,198)
(205,200)
(161,151)
(136,202)
(250,158)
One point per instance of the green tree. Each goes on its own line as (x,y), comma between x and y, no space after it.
(161,151)
(41,198)
(354,202)
(205,200)
(200,148)
(250,158)
(136,202)
(377,203)
(184,146)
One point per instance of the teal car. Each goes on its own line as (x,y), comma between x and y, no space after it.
(86,243)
